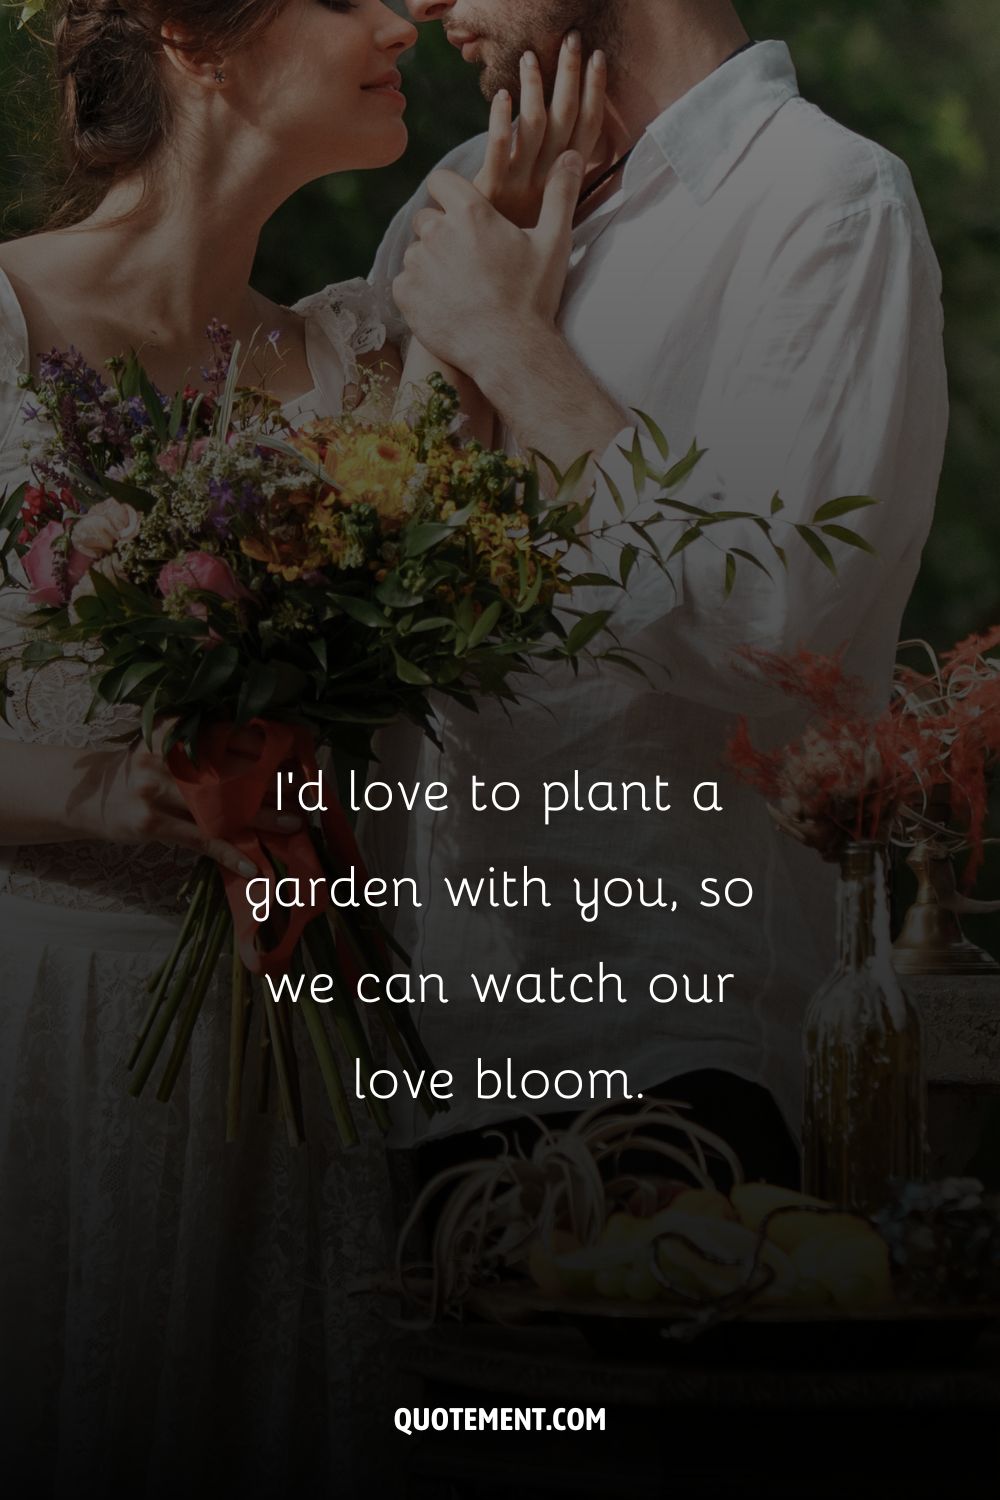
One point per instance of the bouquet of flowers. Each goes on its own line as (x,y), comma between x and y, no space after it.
(851,776)
(220,571)
(222,574)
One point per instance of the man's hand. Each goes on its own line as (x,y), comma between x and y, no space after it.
(518,165)
(472,283)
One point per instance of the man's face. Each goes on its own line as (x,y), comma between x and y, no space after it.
(493,34)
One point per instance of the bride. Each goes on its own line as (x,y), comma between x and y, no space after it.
(172,1305)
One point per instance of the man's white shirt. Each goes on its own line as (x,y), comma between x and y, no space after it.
(762,282)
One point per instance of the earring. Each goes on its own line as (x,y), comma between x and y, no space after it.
(220,76)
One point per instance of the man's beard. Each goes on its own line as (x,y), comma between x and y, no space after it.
(540,29)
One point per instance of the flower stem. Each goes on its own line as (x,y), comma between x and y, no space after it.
(173,1001)
(206,974)
(328,1067)
(160,983)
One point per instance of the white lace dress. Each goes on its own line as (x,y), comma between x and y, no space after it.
(170,1306)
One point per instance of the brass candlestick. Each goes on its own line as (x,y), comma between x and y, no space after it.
(932,940)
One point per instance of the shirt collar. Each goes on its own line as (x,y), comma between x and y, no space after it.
(704,133)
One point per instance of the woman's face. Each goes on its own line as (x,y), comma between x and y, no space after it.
(322,83)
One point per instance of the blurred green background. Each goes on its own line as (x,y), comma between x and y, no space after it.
(920,76)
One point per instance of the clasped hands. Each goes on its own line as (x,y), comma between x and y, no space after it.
(488,263)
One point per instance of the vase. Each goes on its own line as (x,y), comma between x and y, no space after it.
(865,1095)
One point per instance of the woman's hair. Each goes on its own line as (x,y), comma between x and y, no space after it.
(115,106)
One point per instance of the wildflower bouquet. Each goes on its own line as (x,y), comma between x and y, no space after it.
(225,574)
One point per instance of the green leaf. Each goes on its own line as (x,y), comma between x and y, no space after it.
(818,546)
(128,494)
(655,433)
(11,509)
(621,660)
(730,575)
(213,673)
(569,483)
(176,416)
(684,541)
(149,718)
(687,465)
(40,653)
(422,538)
(432,622)
(613,490)
(779,552)
(485,624)
(749,557)
(530,599)
(154,406)
(127,678)
(626,563)
(850,538)
(585,629)
(842,506)
(777,504)
(407,672)
(29,10)
(257,691)
(394,592)
(531,498)
(361,610)
(637,459)
(683,507)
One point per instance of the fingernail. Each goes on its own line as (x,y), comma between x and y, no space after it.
(246,868)
(503,95)
(573,41)
(530,60)
(573,162)
(597,60)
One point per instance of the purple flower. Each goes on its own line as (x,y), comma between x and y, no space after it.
(221,339)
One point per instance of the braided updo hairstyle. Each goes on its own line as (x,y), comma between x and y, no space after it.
(115,107)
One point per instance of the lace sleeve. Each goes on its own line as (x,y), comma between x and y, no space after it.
(350,317)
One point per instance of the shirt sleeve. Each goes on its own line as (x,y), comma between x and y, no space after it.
(827,380)
(465,159)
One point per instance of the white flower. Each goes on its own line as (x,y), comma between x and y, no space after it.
(104,527)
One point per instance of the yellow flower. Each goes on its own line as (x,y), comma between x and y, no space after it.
(375,468)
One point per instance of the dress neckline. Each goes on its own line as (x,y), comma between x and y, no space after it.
(14,365)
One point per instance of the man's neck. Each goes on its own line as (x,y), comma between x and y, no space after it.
(669,46)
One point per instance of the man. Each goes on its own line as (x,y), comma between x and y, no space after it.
(758,279)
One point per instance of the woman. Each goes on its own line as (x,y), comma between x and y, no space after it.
(172,1305)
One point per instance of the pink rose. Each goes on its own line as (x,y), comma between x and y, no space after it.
(205,571)
(104,526)
(53,566)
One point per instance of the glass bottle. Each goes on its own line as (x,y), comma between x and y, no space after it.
(865,1096)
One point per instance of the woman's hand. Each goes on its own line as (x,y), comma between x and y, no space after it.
(473,287)
(518,164)
(128,796)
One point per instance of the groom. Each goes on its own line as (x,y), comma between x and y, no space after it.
(756,278)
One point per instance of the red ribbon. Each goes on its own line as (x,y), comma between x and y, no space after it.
(225,791)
